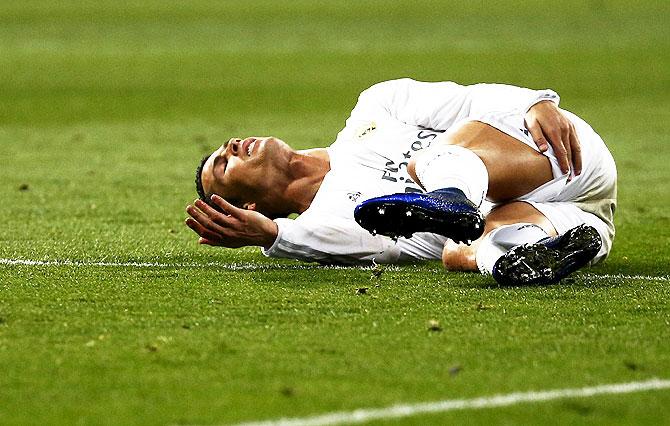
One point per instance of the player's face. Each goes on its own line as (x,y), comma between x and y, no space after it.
(244,169)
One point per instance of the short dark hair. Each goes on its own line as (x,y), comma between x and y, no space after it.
(198,180)
(200,189)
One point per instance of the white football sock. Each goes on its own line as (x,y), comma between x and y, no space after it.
(501,240)
(451,166)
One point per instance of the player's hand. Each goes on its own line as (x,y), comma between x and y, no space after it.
(235,228)
(548,126)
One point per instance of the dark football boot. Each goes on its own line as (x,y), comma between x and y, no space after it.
(447,212)
(549,260)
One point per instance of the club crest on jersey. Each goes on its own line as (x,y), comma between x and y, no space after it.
(353,196)
(363,131)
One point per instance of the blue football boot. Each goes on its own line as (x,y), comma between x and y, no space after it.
(549,260)
(446,212)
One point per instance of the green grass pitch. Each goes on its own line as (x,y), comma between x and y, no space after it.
(106,108)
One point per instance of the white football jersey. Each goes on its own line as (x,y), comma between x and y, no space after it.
(391,122)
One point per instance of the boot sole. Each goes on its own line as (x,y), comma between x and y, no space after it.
(539,264)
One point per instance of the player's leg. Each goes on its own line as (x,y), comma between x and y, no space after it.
(464,166)
(521,245)
(462,257)
(546,261)
(521,254)
(506,167)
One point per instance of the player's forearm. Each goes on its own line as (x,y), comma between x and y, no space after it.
(330,240)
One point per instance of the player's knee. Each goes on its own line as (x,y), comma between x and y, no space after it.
(411,164)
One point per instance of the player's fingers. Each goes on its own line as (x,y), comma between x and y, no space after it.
(537,135)
(576,147)
(201,230)
(214,215)
(195,226)
(565,137)
(236,212)
(209,242)
(553,134)
(204,220)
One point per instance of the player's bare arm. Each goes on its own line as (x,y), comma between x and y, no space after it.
(233,229)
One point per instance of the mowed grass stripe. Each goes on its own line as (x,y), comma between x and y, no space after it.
(406,410)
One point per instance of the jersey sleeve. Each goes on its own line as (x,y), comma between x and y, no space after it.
(439,105)
(330,240)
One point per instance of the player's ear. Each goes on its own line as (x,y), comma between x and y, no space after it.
(249,206)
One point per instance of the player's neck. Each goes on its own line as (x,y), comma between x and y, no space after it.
(308,168)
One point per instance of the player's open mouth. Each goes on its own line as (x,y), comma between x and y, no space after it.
(248,146)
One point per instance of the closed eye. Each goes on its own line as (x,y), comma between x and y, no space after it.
(220,162)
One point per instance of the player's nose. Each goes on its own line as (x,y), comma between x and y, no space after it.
(232,146)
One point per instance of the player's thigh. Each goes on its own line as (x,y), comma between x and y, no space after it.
(514,168)
(461,257)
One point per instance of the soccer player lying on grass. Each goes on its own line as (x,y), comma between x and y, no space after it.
(541,177)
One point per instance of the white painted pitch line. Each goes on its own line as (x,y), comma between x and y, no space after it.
(406,410)
(262,267)
(626,277)
(223,266)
